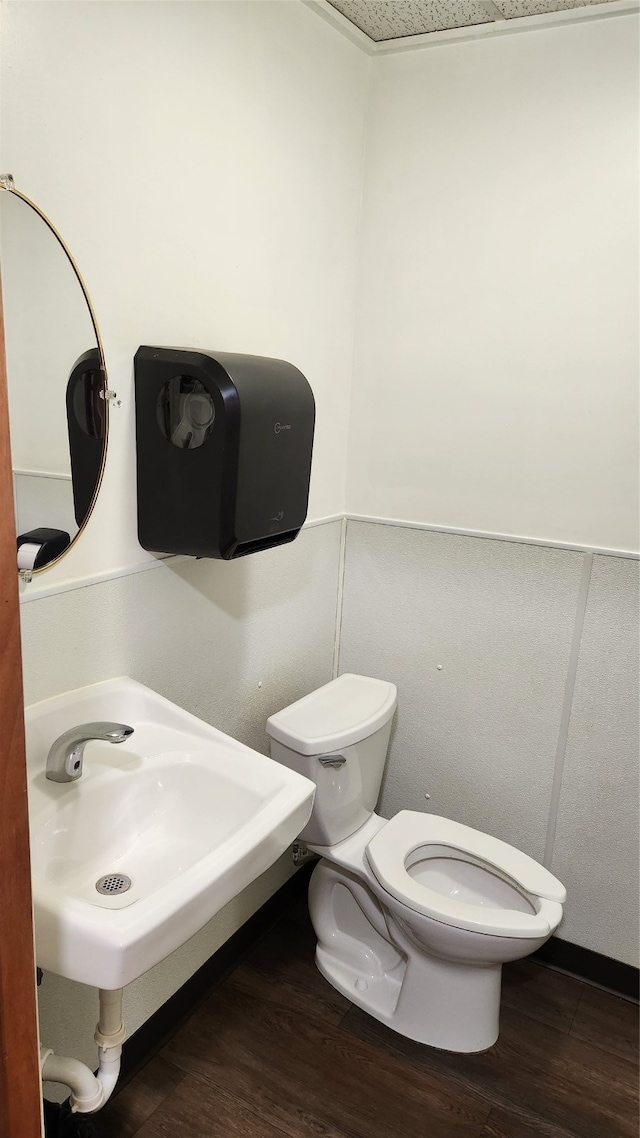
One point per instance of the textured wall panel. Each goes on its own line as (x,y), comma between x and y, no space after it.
(204,634)
(480,735)
(596,847)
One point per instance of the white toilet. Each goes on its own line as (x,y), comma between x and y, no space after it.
(416,916)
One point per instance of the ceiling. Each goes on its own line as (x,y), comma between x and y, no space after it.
(394,19)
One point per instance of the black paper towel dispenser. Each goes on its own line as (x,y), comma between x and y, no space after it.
(223,451)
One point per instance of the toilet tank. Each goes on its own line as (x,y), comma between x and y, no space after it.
(348,718)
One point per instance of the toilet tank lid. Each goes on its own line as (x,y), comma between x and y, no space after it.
(336,715)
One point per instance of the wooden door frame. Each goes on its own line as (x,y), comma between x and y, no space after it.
(20,1086)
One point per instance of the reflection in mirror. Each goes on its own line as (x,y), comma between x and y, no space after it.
(58,397)
(86,425)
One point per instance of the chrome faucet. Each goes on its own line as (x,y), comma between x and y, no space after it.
(64,761)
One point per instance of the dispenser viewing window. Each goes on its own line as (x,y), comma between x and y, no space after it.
(224,447)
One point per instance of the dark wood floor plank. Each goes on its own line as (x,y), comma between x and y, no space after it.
(533,1068)
(309,1079)
(299,911)
(191,1111)
(545,995)
(513,1124)
(276,1052)
(281,969)
(135,1103)
(608,1021)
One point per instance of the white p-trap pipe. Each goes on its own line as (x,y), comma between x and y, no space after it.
(89,1092)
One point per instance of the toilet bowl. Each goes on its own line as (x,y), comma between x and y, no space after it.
(414,917)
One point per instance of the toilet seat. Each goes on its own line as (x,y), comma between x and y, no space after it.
(389,850)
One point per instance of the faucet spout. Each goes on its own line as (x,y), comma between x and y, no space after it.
(64,761)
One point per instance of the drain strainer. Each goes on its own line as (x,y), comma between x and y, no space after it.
(113,883)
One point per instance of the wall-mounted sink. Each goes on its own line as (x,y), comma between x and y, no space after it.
(186,814)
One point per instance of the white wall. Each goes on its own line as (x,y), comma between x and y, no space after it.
(496,380)
(203,162)
(496,391)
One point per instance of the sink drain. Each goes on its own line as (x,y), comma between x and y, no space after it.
(113,883)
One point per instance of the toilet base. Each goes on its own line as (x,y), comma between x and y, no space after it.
(369,956)
(452,1007)
(375,994)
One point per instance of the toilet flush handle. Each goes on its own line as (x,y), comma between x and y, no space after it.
(334,761)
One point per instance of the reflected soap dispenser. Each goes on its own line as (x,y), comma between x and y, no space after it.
(223,446)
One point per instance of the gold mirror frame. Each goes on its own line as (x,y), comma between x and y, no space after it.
(7,184)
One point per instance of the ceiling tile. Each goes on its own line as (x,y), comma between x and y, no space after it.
(512,9)
(392,19)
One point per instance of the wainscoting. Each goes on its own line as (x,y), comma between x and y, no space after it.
(516,668)
(231,643)
(517,674)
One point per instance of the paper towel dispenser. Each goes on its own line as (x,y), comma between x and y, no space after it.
(224,447)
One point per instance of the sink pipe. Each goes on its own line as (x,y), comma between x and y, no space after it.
(90,1092)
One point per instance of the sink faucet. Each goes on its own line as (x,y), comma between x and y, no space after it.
(64,761)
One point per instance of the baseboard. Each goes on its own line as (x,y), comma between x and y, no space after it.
(593,967)
(159,1028)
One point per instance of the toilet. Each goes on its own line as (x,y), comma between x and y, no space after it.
(414,917)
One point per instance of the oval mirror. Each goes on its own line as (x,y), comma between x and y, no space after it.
(57,381)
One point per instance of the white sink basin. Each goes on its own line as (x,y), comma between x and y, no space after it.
(186,813)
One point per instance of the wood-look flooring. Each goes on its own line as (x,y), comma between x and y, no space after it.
(276,1052)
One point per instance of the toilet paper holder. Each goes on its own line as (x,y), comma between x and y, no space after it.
(38,547)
